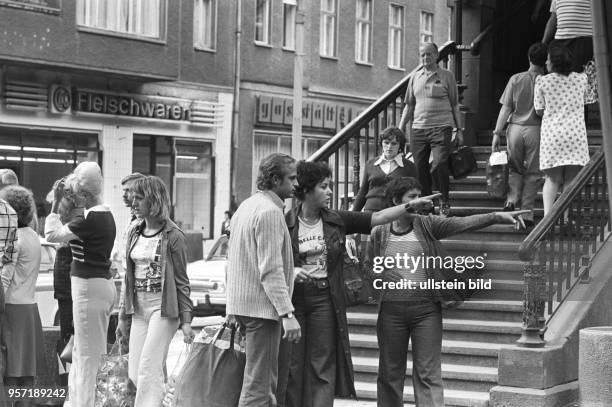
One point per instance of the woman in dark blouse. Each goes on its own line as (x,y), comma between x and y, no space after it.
(91,239)
(380,170)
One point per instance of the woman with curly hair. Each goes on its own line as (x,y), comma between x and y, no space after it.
(319,365)
(21,326)
(91,239)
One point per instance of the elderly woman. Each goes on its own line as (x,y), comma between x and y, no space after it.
(559,98)
(320,366)
(379,170)
(91,240)
(21,326)
(412,314)
(155,289)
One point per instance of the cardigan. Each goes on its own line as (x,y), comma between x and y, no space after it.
(371,195)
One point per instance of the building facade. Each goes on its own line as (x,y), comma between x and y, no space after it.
(354,52)
(135,85)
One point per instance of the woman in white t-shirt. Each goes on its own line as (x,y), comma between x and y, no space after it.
(155,290)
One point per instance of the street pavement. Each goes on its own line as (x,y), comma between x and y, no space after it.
(177,346)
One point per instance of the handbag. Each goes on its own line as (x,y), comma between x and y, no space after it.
(356,288)
(591,94)
(461,162)
(213,373)
(497,175)
(66,355)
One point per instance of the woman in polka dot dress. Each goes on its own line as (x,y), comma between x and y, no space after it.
(559,98)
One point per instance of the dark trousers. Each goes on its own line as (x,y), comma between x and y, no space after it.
(312,368)
(581,49)
(437,142)
(64,306)
(261,370)
(399,322)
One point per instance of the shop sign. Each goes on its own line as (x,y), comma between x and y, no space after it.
(78,100)
(278,110)
(41,6)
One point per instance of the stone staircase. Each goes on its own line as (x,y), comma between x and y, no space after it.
(474,332)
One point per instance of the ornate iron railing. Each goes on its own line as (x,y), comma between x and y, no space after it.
(558,251)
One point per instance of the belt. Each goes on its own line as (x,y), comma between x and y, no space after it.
(320,283)
(150,285)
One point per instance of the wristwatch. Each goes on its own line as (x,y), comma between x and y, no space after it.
(409,208)
(288,315)
(459,128)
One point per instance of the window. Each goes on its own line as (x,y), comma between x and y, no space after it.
(141,18)
(363,31)
(426,29)
(396,36)
(328,28)
(205,24)
(289,14)
(262,22)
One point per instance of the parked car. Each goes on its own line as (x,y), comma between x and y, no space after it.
(207,279)
(47,305)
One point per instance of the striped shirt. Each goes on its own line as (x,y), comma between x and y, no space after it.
(260,260)
(8,232)
(573,18)
(407,244)
(432,95)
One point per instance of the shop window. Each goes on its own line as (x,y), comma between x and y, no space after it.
(363,32)
(262,22)
(205,24)
(39,158)
(327,37)
(396,36)
(426,27)
(141,18)
(289,15)
(187,168)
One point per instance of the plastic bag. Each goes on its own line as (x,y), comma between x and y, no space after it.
(168,400)
(497,175)
(113,386)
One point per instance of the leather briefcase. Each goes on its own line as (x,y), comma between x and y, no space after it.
(461,162)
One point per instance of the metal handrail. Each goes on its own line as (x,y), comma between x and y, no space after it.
(559,250)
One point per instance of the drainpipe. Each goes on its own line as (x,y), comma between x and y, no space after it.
(235,108)
(298,74)
(601,51)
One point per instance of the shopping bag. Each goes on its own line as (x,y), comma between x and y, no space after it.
(497,174)
(113,386)
(168,400)
(212,375)
(591,95)
(461,162)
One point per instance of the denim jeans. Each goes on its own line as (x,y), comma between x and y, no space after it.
(525,177)
(261,371)
(92,303)
(150,338)
(437,143)
(312,370)
(399,322)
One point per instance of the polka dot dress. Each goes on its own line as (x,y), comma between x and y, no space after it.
(563,138)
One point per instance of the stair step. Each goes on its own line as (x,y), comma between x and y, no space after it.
(506,311)
(449,371)
(454,329)
(455,377)
(456,347)
(451,397)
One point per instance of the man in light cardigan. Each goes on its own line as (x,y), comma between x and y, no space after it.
(260,278)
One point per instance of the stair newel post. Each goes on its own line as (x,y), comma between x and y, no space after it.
(534,297)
